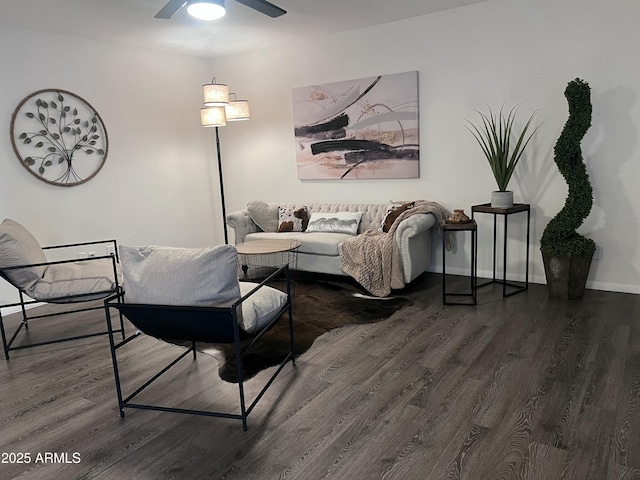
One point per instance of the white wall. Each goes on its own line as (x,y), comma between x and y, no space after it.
(492,53)
(159,183)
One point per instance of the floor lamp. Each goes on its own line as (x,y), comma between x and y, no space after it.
(218,110)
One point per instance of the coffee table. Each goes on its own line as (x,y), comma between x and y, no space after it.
(259,258)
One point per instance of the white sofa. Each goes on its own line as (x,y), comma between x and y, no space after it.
(320,251)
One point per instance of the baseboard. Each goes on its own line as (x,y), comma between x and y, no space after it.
(540,279)
(10,310)
(614,287)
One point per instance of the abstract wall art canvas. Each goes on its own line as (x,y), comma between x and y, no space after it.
(358,129)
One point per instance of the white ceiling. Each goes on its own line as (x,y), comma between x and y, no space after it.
(242,29)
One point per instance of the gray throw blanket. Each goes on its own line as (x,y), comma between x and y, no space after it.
(372,258)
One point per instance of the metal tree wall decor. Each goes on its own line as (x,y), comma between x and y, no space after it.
(59,137)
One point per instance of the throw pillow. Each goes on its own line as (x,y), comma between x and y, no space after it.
(180,276)
(339,222)
(393,211)
(264,214)
(261,307)
(293,220)
(19,247)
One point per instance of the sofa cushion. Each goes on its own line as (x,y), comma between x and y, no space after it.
(335,222)
(19,247)
(317,243)
(264,215)
(290,220)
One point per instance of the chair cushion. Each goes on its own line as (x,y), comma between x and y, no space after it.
(180,276)
(80,280)
(19,247)
(261,307)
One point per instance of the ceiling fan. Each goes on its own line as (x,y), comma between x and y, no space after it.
(262,6)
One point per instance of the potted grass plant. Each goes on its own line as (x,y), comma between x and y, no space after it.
(503,147)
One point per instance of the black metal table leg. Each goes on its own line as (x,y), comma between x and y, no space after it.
(505,212)
(461,227)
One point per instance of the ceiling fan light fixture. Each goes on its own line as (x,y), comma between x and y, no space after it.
(206,9)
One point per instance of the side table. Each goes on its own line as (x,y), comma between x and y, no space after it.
(472,227)
(505,212)
(260,258)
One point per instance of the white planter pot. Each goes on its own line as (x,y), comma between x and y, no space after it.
(502,199)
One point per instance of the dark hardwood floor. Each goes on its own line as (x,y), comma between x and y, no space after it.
(517,388)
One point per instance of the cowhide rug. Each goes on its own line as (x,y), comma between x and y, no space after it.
(318,306)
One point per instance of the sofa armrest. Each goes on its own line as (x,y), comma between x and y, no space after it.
(413,237)
(242,224)
(414,225)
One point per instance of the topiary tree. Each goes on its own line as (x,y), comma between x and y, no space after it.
(560,237)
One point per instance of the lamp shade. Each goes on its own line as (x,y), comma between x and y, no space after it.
(238,110)
(215,94)
(213,117)
(206,9)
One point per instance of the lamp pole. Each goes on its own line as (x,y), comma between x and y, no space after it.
(224,210)
(217,110)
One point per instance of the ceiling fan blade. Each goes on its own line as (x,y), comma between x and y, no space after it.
(264,7)
(170,9)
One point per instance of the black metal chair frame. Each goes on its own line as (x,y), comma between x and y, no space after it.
(191,324)
(7,341)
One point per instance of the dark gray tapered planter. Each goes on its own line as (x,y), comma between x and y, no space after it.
(566,276)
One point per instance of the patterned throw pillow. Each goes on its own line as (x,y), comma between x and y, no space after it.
(339,222)
(393,211)
(293,220)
